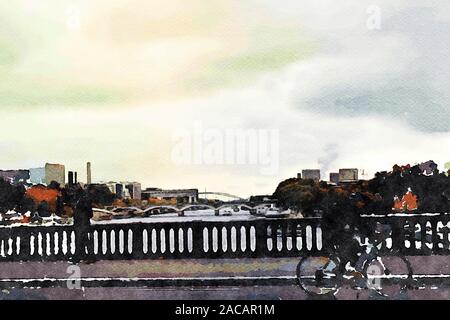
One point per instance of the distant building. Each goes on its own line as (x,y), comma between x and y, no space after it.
(313,174)
(120,191)
(263,199)
(125,190)
(72,178)
(15,176)
(348,175)
(116,188)
(37,175)
(428,167)
(182,195)
(334,177)
(134,189)
(55,172)
(88,173)
(299,176)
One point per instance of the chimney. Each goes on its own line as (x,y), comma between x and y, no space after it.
(75,177)
(89,177)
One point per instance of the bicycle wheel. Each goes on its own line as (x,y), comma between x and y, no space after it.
(319,275)
(388,276)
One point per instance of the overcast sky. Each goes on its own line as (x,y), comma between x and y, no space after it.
(113,82)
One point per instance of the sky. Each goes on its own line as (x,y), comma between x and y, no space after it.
(138,88)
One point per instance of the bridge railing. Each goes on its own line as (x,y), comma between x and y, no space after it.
(414,235)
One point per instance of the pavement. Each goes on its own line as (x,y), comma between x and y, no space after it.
(229,279)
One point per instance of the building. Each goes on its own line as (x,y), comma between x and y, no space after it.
(72,178)
(260,199)
(37,175)
(55,172)
(134,189)
(182,195)
(313,174)
(428,168)
(334,177)
(348,175)
(125,190)
(47,174)
(299,176)
(15,176)
(117,188)
(88,173)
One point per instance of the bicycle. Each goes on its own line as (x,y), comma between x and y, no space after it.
(387,275)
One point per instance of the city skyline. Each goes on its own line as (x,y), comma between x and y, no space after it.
(339,94)
(54,172)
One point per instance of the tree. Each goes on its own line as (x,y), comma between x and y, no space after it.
(10,195)
(59,206)
(301,195)
(26,204)
(100,194)
(54,185)
(43,209)
(430,192)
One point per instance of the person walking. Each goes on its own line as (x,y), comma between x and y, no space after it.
(82,222)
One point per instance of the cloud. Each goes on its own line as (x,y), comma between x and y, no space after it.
(88,53)
(397,72)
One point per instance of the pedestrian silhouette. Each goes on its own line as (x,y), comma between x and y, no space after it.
(81,221)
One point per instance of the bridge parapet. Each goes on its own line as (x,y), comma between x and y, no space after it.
(413,235)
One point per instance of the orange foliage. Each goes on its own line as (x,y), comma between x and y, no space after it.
(41,193)
(135,202)
(398,204)
(159,202)
(407,203)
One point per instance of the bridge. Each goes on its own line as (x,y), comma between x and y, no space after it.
(223,194)
(191,195)
(166,209)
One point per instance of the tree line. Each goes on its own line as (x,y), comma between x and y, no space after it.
(51,199)
(375,196)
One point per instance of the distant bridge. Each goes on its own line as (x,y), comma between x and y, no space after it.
(189,207)
(199,206)
(191,194)
(223,194)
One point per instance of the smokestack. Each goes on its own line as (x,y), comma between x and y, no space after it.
(75,177)
(89,177)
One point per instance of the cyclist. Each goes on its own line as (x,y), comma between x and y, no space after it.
(343,231)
